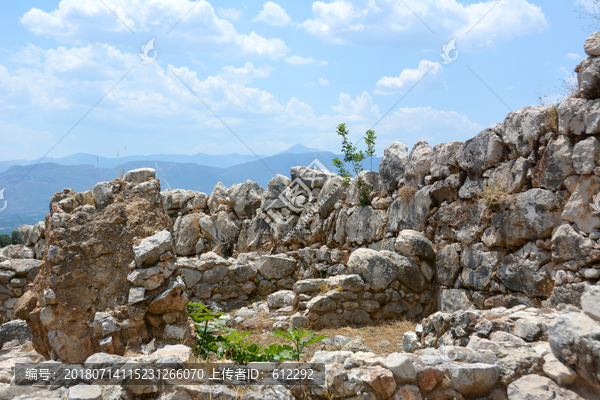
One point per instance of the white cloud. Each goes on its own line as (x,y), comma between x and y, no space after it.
(573,56)
(323,81)
(229,13)
(391,23)
(323,62)
(273,14)
(299,60)
(309,84)
(359,109)
(89,21)
(30,55)
(245,74)
(434,79)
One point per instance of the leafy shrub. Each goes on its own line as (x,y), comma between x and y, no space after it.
(355,158)
(235,346)
(300,339)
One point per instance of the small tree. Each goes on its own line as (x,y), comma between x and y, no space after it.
(15,238)
(355,157)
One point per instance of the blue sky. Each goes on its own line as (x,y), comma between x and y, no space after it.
(277,73)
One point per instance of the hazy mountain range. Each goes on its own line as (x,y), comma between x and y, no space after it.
(27,201)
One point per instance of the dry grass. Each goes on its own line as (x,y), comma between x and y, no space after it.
(406,192)
(372,335)
(492,194)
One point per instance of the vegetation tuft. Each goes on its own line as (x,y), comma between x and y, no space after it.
(355,157)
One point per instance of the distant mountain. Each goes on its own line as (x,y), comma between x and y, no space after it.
(299,149)
(218,161)
(28,201)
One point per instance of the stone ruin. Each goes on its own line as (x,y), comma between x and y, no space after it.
(493,242)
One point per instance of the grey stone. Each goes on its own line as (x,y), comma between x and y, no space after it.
(574,341)
(588,78)
(511,176)
(451,300)
(478,266)
(410,342)
(591,46)
(85,392)
(521,129)
(585,154)
(365,225)
(555,165)
(524,271)
(408,272)
(481,152)
(414,243)
(393,164)
(590,301)
(186,234)
(246,198)
(136,295)
(419,162)
(473,379)
(190,277)
(140,175)
(578,209)
(105,324)
(531,215)
(242,272)
(152,247)
(401,366)
(102,193)
(410,213)
(282,298)
(275,267)
(444,160)
(15,330)
(535,387)
(447,262)
(378,270)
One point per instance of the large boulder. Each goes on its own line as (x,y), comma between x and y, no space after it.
(579,209)
(276,267)
(574,340)
(521,129)
(524,271)
(313,178)
(447,263)
(275,195)
(419,162)
(365,225)
(444,163)
(246,198)
(555,165)
(591,46)
(570,246)
(140,175)
(451,300)
(378,270)
(186,234)
(478,265)
(409,273)
(510,176)
(393,164)
(481,152)
(151,248)
(410,212)
(536,387)
(585,154)
(530,215)
(588,78)
(413,243)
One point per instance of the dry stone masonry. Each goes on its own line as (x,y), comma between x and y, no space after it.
(493,243)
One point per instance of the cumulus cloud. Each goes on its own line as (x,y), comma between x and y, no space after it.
(229,13)
(273,14)
(200,30)
(299,60)
(391,23)
(573,56)
(431,73)
(245,74)
(323,81)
